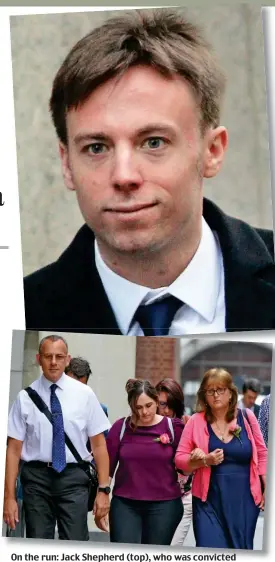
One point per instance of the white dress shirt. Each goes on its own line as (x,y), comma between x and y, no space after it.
(82,415)
(200,287)
(242,406)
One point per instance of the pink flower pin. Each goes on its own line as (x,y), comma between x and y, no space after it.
(235,430)
(164,439)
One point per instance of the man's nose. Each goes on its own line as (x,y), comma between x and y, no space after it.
(126,174)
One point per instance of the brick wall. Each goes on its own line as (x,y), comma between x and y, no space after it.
(157,358)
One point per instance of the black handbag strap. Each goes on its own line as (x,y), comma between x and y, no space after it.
(40,404)
(245,415)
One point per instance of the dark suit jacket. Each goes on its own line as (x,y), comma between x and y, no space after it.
(68,295)
(256,410)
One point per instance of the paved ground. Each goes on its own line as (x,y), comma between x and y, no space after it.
(99,537)
(190,541)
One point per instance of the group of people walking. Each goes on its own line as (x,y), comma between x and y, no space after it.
(158,450)
(165,469)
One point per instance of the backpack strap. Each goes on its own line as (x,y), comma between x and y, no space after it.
(122,431)
(171,428)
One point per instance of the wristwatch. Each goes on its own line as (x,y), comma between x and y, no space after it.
(104,489)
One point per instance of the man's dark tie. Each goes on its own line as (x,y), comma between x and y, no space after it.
(58,449)
(155,319)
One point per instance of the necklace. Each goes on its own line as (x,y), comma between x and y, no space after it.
(221,432)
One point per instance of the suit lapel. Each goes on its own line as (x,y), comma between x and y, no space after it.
(249,273)
(84,294)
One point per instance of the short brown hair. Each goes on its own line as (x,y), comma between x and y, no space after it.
(225,378)
(53,338)
(79,367)
(136,387)
(161,38)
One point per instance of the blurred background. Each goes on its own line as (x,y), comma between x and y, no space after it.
(49,214)
(115,359)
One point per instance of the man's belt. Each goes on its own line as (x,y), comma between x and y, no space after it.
(40,464)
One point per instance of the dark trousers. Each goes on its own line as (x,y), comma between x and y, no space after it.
(50,498)
(144,522)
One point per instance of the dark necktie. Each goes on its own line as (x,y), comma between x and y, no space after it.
(155,319)
(58,449)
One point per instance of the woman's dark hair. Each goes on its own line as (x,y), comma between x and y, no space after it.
(136,387)
(223,377)
(175,396)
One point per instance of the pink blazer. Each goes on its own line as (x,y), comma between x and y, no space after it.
(195,434)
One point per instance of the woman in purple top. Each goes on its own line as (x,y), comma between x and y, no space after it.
(146,506)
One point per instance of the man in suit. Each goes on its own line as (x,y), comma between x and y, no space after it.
(55,486)
(79,369)
(136,107)
(251,390)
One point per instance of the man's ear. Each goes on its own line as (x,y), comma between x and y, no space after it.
(38,358)
(216,144)
(66,170)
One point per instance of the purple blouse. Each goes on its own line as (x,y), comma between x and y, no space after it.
(146,469)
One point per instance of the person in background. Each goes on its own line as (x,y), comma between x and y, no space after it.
(225,448)
(251,390)
(264,417)
(171,403)
(80,370)
(55,486)
(146,506)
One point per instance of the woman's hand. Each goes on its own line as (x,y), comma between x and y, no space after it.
(197,454)
(261,505)
(214,458)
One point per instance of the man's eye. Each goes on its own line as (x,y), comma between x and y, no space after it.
(96,148)
(154,142)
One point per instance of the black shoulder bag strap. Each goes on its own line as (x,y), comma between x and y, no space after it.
(244,412)
(40,404)
(245,415)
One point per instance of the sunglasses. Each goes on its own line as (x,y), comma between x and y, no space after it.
(163,404)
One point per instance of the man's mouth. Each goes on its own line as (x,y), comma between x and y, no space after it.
(133,208)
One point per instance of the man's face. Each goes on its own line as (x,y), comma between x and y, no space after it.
(84,379)
(136,158)
(53,359)
(249,398)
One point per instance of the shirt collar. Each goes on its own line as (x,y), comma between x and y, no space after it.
(197,286)
(47,384)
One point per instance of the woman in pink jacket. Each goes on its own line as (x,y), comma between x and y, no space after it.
(225,448)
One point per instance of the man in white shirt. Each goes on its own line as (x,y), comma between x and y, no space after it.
(136,107)
(251,390)
(55,486)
